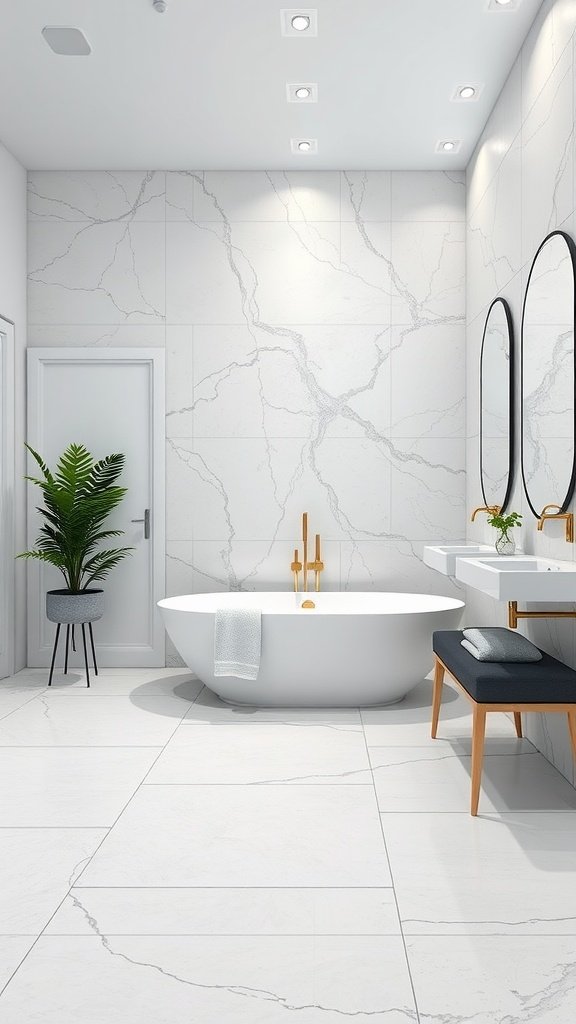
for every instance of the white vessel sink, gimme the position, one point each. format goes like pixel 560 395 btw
pixel 520 578
pixel 443 557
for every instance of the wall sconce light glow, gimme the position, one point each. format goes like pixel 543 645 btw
pixel 467 92
pixel 300 22
pixel 303 93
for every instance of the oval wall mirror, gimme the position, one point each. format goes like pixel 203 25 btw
pixel 548 375
pixel 497 405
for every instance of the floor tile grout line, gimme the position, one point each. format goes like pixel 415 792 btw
pixel 89 861
pixel 211 935
pixel 408 966
pixel 20 706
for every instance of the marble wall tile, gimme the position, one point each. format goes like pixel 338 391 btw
pixel 228 196
pixel 366 196
pixel 96 273
pixel 428 274
pixel 548 157
pixel 432 402
pixel 502 129
pixel 494 235
pixel 428 196
pixel 428 488
pixel 96 335
pixel 96 197
pixel 313 327
pixel 550 34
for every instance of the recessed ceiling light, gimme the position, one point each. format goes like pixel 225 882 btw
pixel 448 146
pixel 66 40
pixel 467 92
pixel 297 21
pixel 302 92
pixel 304 147
pixel 503 5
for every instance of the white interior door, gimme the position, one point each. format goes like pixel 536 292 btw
pixel 6 498
pixel 111 401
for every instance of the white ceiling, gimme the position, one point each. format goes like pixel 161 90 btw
pixel 204 85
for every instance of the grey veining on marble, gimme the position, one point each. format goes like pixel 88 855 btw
pixel 314 332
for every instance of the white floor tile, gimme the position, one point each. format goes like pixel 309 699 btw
pixel 105 721
pixel 408 723
pixel 435 778
pixel 74 786
pixel 245 835
pixel 228 911
pixel 137 683
pixel 37 868
pixel 209 708
pixel 494 979
pixel 13 949
pixel 510 874
pixel 265 752
pixel 214 980
pixel 11 701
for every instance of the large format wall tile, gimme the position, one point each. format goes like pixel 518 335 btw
pixel 313 329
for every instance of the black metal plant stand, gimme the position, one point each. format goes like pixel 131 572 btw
pixel 70 627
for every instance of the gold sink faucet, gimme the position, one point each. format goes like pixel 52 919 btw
pixel 568 518
pixel 305 566
pixel 492 510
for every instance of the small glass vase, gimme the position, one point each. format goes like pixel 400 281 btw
pixel 505 544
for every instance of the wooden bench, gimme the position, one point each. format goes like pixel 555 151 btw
pixel 518 687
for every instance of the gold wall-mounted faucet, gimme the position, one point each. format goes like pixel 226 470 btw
pixel 492 510
pixel 305 566
pixel 568 518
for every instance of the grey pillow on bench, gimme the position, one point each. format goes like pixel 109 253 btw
pixel 494 643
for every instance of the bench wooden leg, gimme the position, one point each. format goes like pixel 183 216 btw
pixel 439 671
pixel 518 724
pixel 478 730
pixel 571 715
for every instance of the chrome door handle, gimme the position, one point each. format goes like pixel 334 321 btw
pixel 146 522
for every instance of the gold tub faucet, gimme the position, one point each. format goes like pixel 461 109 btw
pixel 305 566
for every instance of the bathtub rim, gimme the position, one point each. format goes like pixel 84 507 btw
pixel 438 603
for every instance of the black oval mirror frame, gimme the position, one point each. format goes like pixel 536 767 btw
pixel 571 246
pixel 510 476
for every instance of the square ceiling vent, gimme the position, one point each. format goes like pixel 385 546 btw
pixel 66 41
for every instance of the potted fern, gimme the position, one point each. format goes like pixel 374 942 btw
pixel 78 498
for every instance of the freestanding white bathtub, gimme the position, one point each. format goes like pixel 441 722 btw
pixel 352 649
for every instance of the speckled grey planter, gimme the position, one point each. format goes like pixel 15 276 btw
pixel 62 606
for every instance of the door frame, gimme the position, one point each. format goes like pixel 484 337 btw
pixel 37 360
pixel 7 497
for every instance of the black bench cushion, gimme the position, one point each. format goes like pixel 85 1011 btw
pixel 498 682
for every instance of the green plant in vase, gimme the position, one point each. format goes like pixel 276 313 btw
pixel 505 543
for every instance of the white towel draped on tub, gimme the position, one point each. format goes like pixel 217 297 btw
pixel 237 642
